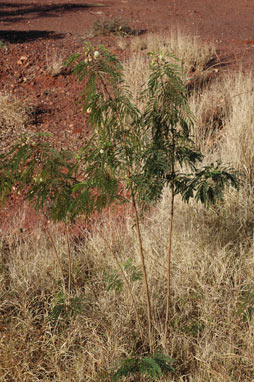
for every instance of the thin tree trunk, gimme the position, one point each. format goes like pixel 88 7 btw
pixel 69 258
pixel 148 299
pixel 57 257
pixel 168 298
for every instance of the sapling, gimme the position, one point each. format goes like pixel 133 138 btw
pixel 171 158
pixel 118 139
pixel 148 150
pixel 131 156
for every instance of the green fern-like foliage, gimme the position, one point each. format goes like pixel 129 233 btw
pixel 118 137
pixel 43 175
pixel 131 154
pixel 50 179
pixel 113 278
pixel 7 179
pixel 170 150
pixel 168 119
pixel 64 307
pixel 206 184
pixel 151 366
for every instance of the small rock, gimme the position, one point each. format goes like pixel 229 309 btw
pixel 21 60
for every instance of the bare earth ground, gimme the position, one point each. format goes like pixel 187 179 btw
pixel 36 31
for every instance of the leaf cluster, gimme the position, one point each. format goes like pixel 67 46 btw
pixel 246 304
pixel 43 175
pixel 7 179
pixel 206 184
pixel 117 142
pixel 64 307
pixel 114 280
pixel 50 179
pixel 151 366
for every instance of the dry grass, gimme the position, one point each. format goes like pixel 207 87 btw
pixel 14 112
pixel 193 53
pixel 211 108
pixel 15 117
pixel 136 74
pixel 54 63
pixel 198 60
pixel 238 134
pixel 114 26
pixel 224 118
pixel 211 325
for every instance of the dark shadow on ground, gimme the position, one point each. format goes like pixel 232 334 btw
pixel 27 11
pixel 12 5
pixel 13 36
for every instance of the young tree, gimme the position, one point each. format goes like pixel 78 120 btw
pixel 131 156
pixel 149 150
pixel 171 158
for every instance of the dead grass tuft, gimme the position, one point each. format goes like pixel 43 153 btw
pixel 116 27
pixel 54 63
pixel 15 117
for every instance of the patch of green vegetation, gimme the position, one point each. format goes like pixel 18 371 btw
pixel 3 45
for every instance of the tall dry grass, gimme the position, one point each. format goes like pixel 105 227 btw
pixel 211 324
pixel 239 133
pixel 198 60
